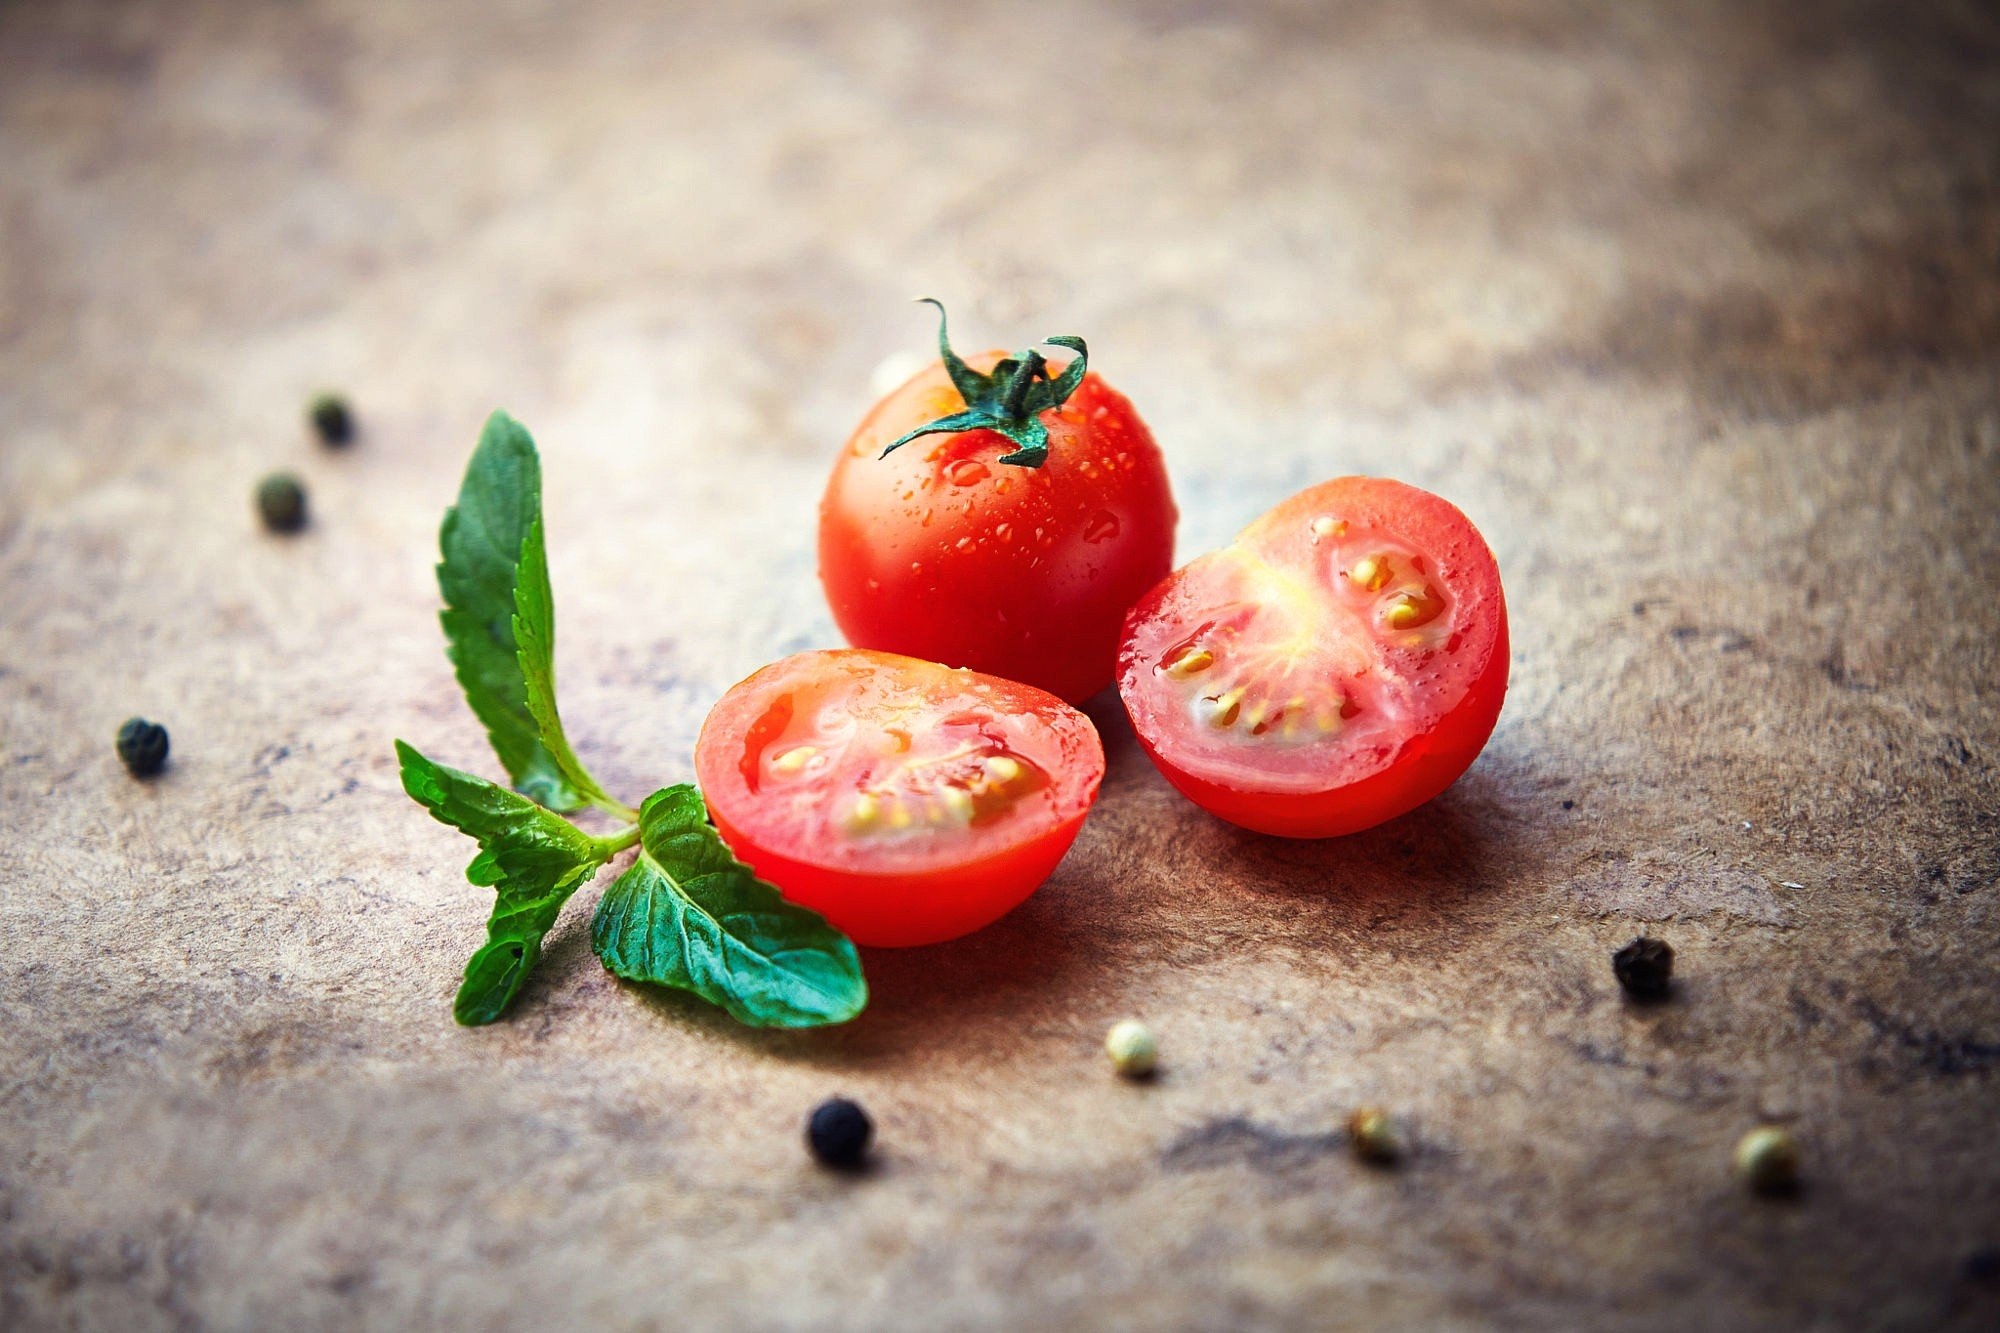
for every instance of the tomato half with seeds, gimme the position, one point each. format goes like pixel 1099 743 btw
pixel 905 801
pixel 1340 664
pixel 1019 511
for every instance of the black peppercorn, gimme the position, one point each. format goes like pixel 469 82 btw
pixel 142 747
pixel 839 1133
pixel 282 502
pixel 330 417
pixel 1644 968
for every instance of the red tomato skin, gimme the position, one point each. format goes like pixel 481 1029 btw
pixel 940 551
pixel 904 911
pixel 1427 762
pixel 884 906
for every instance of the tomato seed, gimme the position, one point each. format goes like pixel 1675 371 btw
pixel 791 761
pixel 1226 708
pixel 1188 660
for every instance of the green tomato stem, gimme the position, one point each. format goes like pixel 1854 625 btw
pixel 1009 400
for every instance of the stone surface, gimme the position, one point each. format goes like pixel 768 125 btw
pixel 1695 309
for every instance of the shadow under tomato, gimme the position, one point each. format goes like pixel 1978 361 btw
pixel 1153 877
pixel 1445 849
pixel 1123 759
pixel 919 999
pixel 1209 891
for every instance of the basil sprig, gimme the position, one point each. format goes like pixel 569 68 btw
pixel 686 914
pixel 689 915
pixel 499 503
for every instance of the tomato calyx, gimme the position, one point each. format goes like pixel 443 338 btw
pixel 1008 401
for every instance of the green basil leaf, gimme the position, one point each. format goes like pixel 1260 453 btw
pixel 535 632
pixel 533 859
pixel 482 541
pixel 688 914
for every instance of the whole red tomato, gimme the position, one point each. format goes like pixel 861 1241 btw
pixel 1000 515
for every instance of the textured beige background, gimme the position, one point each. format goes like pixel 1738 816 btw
pixel 1695 309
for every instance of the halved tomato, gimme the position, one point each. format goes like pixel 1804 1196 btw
pixel 1341 663
pixel 905 801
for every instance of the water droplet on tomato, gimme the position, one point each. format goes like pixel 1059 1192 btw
pixel 1101 527
pixel 1004 533
pixel 966 472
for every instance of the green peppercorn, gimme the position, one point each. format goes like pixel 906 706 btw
pixel 839 1132
pixel 281 499
pixel 1767 1158
pixel 1645 968
pixel 1131 1047
pixel 1376 1136
pixel 330 417
pixel 142 747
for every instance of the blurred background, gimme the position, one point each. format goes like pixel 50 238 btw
pixel 1694 308
pixel 677 241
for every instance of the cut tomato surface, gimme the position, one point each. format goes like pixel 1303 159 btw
pixel 1341 663
pixel 905 801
